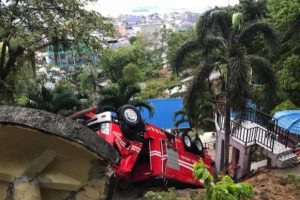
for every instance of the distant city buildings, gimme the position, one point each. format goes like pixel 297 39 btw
pixel 146 29
pixel 127 26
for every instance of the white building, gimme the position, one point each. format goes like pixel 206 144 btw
pixel 146 28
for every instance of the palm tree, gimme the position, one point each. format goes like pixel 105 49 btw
pixel 60 100
pixel 224 42
pixel 201 118
pixel 180 116
pixel 123 92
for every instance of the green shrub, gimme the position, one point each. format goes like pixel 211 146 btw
pixel 293 180
pixel 286 105
pixel 167 195
pixel 225 189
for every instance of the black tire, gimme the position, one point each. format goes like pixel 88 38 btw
pixel 187 142
pixel 198 147
pixel 132 129
pixel 130 115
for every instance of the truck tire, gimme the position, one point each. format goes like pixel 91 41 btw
pixel 198 147
pixel 130 115
pixel 131 122
pixel 187 142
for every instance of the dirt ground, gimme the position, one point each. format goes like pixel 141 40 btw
pixel 270 185
pixel 267 184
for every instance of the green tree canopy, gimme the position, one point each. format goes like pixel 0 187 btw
pixel 113 61
pixel 61 100
pixel 123 92
pixel 285 15
pixel 176 39
pixel 289 78
pixel 29 26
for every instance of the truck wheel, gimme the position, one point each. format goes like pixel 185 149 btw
pixel 187 142
pixel 131 123
pixel 197 146
pixel 130 115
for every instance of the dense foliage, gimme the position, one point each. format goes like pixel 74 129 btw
pixel 123 92
pixel 289 76
pixel 60 100
pixel 146 60
pixel 27 27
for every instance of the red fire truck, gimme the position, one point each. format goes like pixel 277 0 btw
pixel 146 151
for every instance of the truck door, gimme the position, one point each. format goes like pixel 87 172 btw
pixel 172 158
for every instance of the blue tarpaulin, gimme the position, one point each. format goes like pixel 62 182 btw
pixel 164 113
pixel 289 119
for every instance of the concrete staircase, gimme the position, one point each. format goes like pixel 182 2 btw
pixel 287 159
pixel 281 156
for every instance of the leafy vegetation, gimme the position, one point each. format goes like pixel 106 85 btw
pixel 155 88
pixel 176 39
pixel 203 118
pixel 168 195
pixel 123 92
pixel 60 100
pixel 286 105
pixel 225 189
pixel 113 61
pixel 289 77
pixel 29 26
pixel 285 16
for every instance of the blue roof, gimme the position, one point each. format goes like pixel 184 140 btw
pixel 164 113
pixel 289 119
pixel 133 20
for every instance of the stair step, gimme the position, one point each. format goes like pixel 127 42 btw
pixel 287 157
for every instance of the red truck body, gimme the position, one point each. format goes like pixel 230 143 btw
pixel 160 154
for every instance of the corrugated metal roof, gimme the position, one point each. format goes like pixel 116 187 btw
pixel 289 119
pixel 164 112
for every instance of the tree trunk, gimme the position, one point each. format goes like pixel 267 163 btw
pixel 227 136
pixel 2 57
pixel 13 55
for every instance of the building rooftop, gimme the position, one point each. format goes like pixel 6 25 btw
pixel 164 113
pixel 289 119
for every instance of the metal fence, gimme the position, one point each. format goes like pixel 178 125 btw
pixel 265 134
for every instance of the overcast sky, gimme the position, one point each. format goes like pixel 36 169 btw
pixel 116 7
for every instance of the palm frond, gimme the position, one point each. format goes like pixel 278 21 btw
pixel 185 49
pixel 216 21
pixel 130 91
pixel 206 105
pixel 112 90
pixel 252 30
pixel 208 120
pixel 197 87
pixel 212 42
pixel 180 121
pixel 263 70
pixel 238 83
pixel 178 113
pixel 138 102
